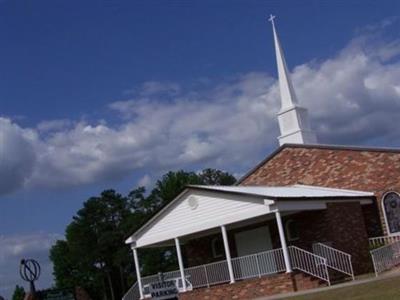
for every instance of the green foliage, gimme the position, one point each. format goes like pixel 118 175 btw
pixel 63 267
pixel 19 293
pixel 216 177
pixel 94 256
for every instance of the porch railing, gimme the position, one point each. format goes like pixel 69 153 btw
pixel 133 293
pixel 383 240
pixel 209 274
pixel 249 266
pixel 256 265
pixel 386 257
pixel 309 263
pixel 244 267
pixel 335 259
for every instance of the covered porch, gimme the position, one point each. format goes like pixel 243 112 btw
pixel 230 234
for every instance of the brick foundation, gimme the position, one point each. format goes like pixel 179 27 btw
pixel 253 288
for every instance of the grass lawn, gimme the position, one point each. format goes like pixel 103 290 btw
pixel 385 289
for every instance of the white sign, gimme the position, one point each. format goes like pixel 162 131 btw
pixel 163 290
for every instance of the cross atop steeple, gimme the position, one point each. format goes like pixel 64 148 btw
pixel 293 119
pixel 271 19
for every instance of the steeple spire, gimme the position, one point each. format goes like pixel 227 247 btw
pixel 293 119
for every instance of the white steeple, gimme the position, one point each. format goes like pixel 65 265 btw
pixel 293 119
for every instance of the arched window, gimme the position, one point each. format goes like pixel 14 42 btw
pixel 291 230
pixel 217 247
pixel 391 206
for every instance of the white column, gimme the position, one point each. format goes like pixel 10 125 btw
pixel 180 262
pixel 227 253
pixel 283 242
pixel 137 267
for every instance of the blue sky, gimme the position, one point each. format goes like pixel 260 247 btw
pixel 100 94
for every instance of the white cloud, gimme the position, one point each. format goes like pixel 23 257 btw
pixel 54 125
pixel 353 98
pixel 17 155
pixel 18 246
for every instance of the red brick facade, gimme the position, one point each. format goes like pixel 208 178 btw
pixel 374 170
pixel 253 288
pixel 345 226
pixel 347 232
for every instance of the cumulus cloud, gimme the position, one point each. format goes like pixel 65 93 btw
pixel 54 125
pixel 15 247
pixel 17 155
pixel 353 98
pixel 159 134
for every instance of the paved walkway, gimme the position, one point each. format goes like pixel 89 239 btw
pixel 370 278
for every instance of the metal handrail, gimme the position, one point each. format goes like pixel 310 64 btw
pixel 386 257
pixel 335 258
pixel 309 263
pixel 132 293
pixel 380 241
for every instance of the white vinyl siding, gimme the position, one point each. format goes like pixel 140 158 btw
pixel 212 210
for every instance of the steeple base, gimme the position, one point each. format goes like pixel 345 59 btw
pixel 294 126
pixel 298 137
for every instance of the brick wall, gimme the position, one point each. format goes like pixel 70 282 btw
pixel 366 170
pixel 347 232
pixel 252 288
pixel 311 226
pixel 199 252
pixel 372 220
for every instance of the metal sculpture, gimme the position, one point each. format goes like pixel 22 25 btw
pixel 29 270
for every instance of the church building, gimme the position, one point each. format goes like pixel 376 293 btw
pixel 308 215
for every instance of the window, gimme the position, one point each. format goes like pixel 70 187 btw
pixel 291 230
pixel 217 247
pixel 391 207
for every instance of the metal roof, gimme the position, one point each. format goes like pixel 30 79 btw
pixel 292 191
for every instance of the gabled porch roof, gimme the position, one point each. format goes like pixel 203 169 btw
pixel 200 208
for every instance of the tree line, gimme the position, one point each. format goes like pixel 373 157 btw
pixel 93 254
